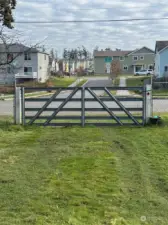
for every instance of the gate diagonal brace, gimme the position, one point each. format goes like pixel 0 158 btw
pixel 122 107
pixel 60 107
pixel 45 106
pixel 105 107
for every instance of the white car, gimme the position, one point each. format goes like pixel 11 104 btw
pixel 144 72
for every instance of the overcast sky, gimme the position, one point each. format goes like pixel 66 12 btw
pixel 124 35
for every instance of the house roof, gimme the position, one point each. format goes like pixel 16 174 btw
pixel 18 48
pixel 110 53
pixel 143 50
pixel 161 45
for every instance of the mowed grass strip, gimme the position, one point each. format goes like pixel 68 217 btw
pixel 81 83
pixel 136 81
pixel 82 176
pixel 63 81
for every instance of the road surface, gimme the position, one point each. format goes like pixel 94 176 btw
pixel 6 107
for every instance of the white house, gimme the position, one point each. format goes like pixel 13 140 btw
pixel 26 64
pixel 53 64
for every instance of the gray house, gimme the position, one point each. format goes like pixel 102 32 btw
pixel 24 63
pixel 130 61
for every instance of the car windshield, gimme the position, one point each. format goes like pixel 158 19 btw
pixel 142 70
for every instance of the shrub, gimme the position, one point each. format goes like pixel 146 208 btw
pixel 6 90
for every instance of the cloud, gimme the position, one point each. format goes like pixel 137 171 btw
pixel 125 35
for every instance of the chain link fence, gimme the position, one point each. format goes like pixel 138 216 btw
pixel 160 95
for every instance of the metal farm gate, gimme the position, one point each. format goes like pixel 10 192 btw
pixel 83 106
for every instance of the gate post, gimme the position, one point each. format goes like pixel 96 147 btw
pixel 83 106
pixel 148 103
pixel 18 106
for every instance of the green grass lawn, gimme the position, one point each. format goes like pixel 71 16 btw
pixel 83 176
pixel 160 92
pixel 82 82
pixel 136 81
pixel 63 81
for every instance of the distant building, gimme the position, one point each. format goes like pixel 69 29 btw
pixel 28 64
pixel 161 58
pixel 130 61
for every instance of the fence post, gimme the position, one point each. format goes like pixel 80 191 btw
pixel 14 106
pixel 148 103
pixel 18 106
pixel 83 106
pixel 23 105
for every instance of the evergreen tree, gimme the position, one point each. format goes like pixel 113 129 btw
pixel 6 8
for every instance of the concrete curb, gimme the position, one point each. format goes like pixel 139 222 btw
pixel 85 83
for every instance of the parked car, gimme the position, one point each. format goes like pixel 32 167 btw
pixel 91 72
pixel 144 72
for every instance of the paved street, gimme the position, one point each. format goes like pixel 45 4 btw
pixel 99 82
pixel 6 107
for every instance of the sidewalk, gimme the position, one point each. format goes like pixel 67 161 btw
pixel 122 84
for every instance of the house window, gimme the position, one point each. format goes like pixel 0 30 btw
pixel 28 70
pixel 141 57
pixel 27 56
pixel 165 68
pixel 45 56
pixel 122 58
pixel 135 58
pixel 151 67
pixel 125 67
pixel 9 57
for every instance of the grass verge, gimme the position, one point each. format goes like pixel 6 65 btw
pixel 82 176
pixel 56 82
pixel 81 83
pixel 63 81
pixel 135 81
pixel 160 92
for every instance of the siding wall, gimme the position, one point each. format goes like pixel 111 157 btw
pixel 99 63
pixel 43 67
pixel 163 61
pixel 19 64
pixel 157 64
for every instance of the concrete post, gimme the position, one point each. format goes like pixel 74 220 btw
pixel 18 106
pixel 148 103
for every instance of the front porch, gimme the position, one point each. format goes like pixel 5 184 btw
pixel 138 67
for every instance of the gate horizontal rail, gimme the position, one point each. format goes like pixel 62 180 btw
pixel 123 99
pixel 86 117
pixel 86 88
pixel 79 109
pixel 108 111
pixel 86 124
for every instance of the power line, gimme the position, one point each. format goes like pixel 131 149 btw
pixel 94 21
pixel 106 8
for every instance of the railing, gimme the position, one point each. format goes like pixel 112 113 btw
pixel 27 75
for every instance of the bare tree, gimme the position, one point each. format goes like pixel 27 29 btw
pixel 52 54
pixel 115 69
